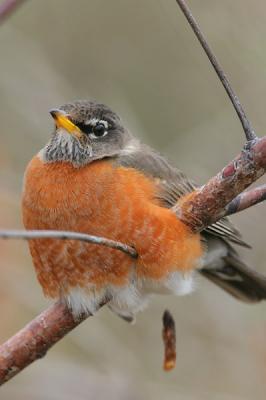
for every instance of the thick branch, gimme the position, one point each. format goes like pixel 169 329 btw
pixel 206 206
pixel 33 341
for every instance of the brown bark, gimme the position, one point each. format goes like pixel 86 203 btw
pixel 33 341
pixel 246 199
pixel 204 207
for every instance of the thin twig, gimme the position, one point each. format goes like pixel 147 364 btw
pixel 8 7
pixel 245 200
pixel 66 235
pixel 249 132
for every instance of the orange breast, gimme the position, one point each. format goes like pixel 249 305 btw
pixel 101 199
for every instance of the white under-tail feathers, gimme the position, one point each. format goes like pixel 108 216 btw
pixel 127 300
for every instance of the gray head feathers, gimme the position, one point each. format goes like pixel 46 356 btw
pixel 102 135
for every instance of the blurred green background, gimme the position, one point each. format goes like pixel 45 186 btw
pixel 141 58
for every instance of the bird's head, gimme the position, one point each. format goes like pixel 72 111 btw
pixel 85 131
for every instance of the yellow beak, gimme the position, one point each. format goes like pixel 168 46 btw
pixel 62 121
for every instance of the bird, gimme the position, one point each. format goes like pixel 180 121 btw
pixel 94 176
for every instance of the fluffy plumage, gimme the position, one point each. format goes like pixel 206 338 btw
pixel 103 181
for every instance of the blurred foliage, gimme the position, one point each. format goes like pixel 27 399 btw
pixel 141 58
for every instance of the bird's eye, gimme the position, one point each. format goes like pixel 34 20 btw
pixel 99 129
pixel 94 128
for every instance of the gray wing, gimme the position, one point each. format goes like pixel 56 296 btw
pixel 222 265
pixel 173 184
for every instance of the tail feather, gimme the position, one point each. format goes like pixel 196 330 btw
pixel 235 277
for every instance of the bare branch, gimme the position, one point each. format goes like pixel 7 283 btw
pixel 33 341
pixel 207 205
pixel 66 235
pixel 249 132
pixel 246 199
pixel 8 7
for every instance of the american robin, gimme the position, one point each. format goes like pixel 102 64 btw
pixel 95 177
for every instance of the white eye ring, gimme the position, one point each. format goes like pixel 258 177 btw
pixel 93 136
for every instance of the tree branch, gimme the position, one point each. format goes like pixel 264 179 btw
pixel 66 235
pixel 249 132
pixel 246 199
pixel 208 204
pixel 33 341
